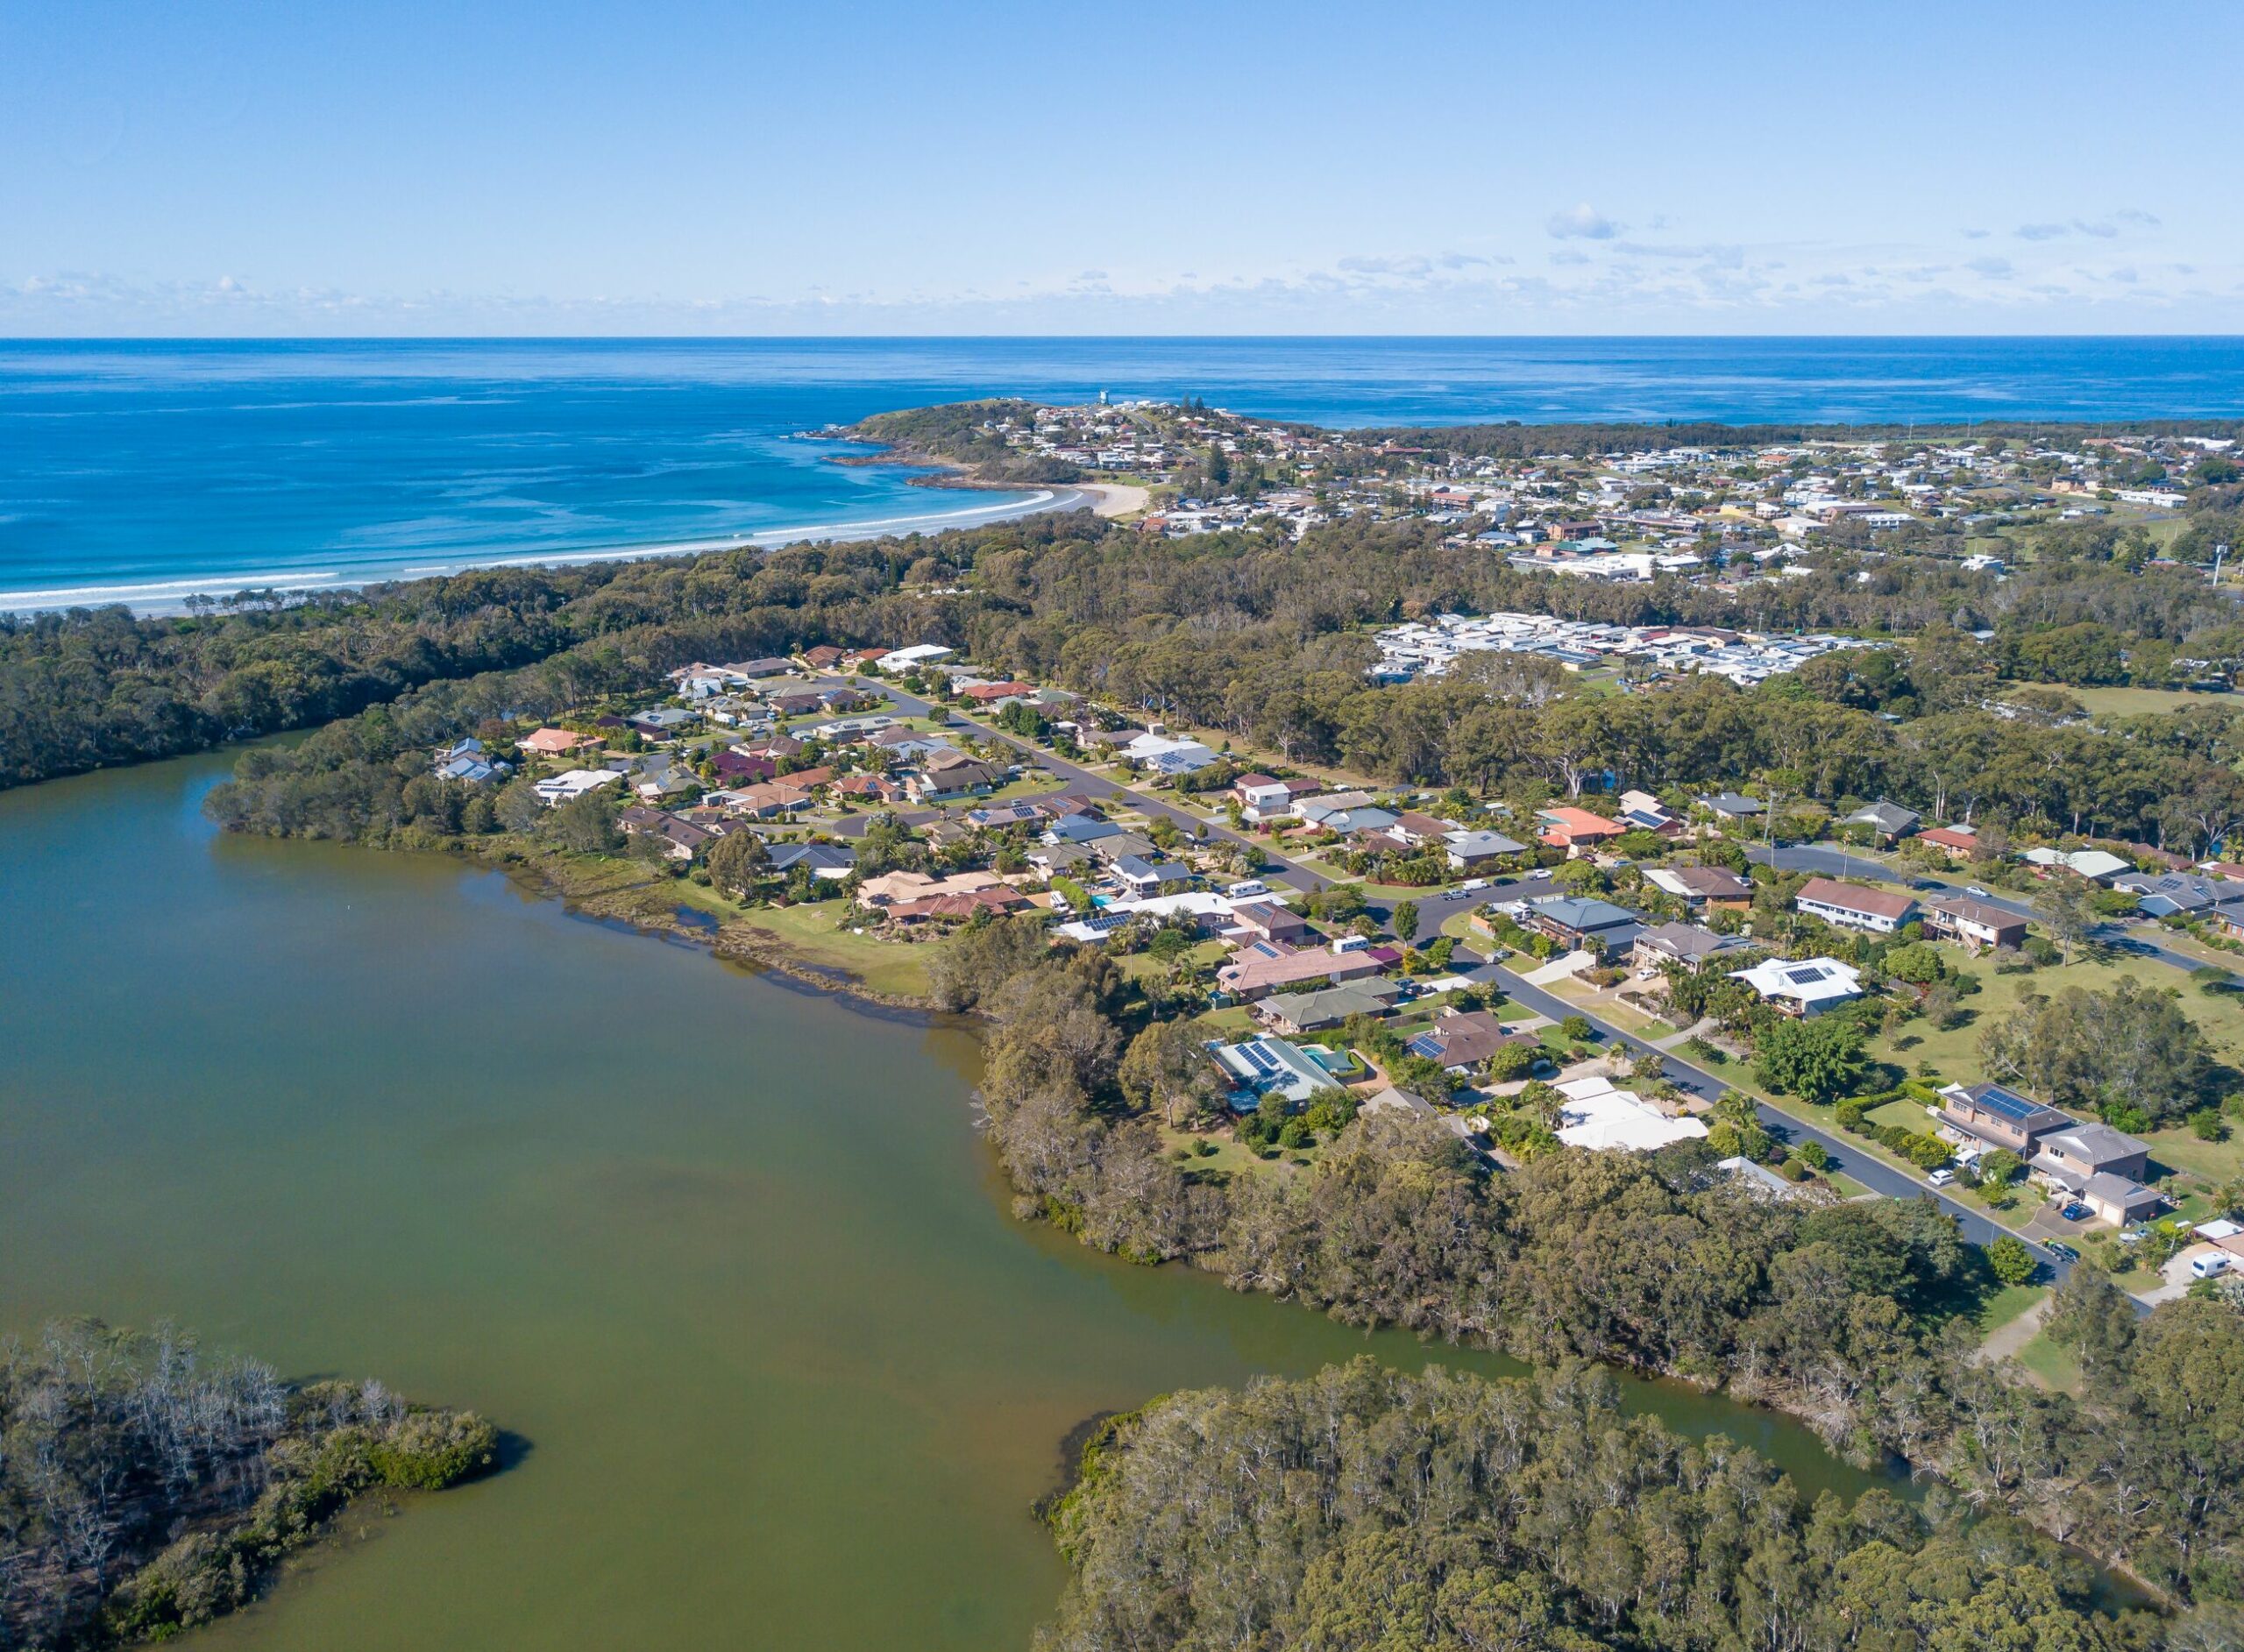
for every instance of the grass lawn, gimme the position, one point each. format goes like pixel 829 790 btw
pixel 2139 702
pixel 2005 1305
pixel 2053 1365
pixel 814 933
pixel 1227 1022
pixel 1907 1114
pixel 1230 1155
pixel 2215 1160
pixel 1954 1052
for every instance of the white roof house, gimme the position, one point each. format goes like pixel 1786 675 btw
pixel 1597 1116
pixel 1810 985
pixel 2093 864
pixel 918 653
pixel 566 788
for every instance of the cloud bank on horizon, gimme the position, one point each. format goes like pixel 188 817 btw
pixel 1011 168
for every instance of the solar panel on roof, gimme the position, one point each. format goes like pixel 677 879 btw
pixel 2008 1105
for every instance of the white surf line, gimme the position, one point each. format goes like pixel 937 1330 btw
pixel 168 593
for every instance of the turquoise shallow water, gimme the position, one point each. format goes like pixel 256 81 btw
pixel 139 470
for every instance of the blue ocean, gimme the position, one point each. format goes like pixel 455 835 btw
pixel 142 471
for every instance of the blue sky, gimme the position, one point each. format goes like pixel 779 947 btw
pixel 494 167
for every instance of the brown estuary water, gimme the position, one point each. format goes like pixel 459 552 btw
pixel 729 1258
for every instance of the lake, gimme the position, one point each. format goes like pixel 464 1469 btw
pixel 729 1258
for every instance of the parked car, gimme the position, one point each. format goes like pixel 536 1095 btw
pixel 2059 1247
pixel 1975 890
pixel 2075 1213
pixel 1942 1178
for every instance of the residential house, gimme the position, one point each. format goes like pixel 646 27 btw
pixel 1005 814
pixel 917 655
pixel 663 722
pixel 1161 755
pixel 1975 923
pixel 1593 1113
pixel 1118 846
pixel 828 861
pixel 1296 1012
pixel 991 693
pixel 1057 858
pixel 1995 1116
pixel 1855 906
pixel 1582 923
pixel 1141 876
pixel 955 908
pixel 1732 806
pixel 1471 851
pixel 1265 967
pixel 1957 843
pixel 764 801
pixel 2080 1149
pixel 1576 831
pixel 952 775
pixel 554 742
pixel 1886 820
pixel 1461 1043
pixel 568 787
pixel 1803 986
pixel 2096 1165
pixel 824 657
pixel 2097 866
pixel 1261 796
pixel 1681 944
pixel 891 887
pixel 870 789
pixel 2173 894
pixel 1641 811
pixel 1271 1066
pixel 1269 920
pixel 1080 829
pixel 736 767
pixel 1714 887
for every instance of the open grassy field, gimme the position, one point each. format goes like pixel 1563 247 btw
pixel 1954 1052
pixel 814 935
pixel 2005 1305
pixel 2053 1366
pixel 2140 702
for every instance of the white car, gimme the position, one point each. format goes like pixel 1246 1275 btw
pixel 1941 1177
pixel 1974 890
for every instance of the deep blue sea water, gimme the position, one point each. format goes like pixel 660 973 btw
pixel 143 471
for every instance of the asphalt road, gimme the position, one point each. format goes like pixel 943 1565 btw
pixel 1074 777
pixel 1435 908
pixel 1847 1157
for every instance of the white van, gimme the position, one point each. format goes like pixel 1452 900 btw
pixel 2205 1268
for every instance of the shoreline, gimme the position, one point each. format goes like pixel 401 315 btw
pixel 156 598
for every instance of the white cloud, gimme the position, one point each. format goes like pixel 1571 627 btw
pixel 1583 222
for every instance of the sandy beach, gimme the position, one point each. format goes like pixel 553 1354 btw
pixel 1117 499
